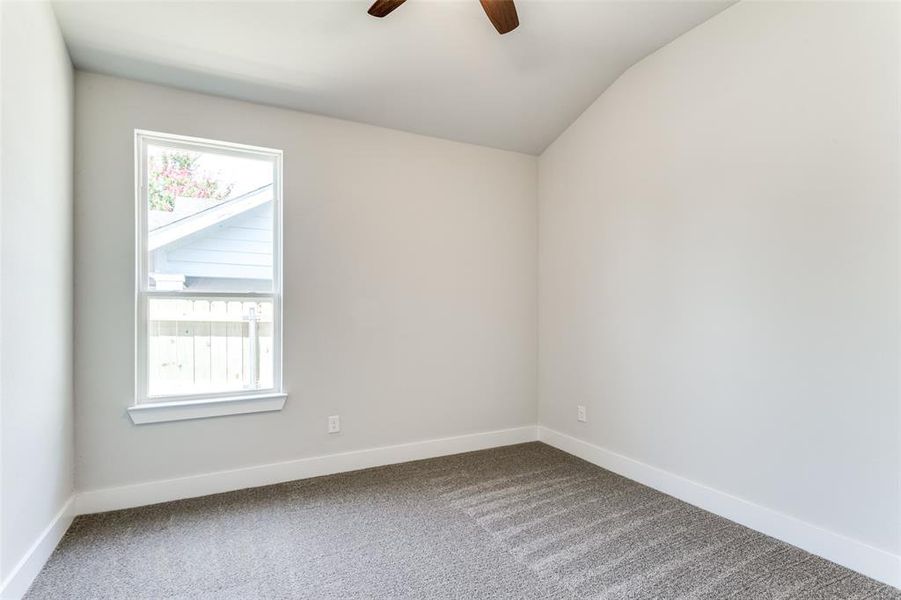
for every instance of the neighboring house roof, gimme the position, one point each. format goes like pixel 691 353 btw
pixel 198 220
pixel 227 241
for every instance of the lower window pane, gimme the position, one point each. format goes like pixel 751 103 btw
pixel 202 345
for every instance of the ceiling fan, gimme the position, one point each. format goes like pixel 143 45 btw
pixel 501 13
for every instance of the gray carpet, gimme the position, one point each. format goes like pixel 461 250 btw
pixel 523 521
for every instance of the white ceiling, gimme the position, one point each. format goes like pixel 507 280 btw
pixel 431 67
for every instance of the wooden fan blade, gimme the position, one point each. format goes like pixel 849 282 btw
pixel 382 8
pixel 502 14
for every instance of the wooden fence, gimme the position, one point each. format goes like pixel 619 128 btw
pixel 209 345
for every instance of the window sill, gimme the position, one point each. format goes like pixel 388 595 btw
pixel 159 412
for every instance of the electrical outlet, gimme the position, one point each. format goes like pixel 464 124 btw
pixel 334 424
pixel 581 415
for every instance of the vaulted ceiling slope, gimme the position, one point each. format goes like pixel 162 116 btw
pixel 432 67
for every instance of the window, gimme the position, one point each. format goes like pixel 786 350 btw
pixel 208 278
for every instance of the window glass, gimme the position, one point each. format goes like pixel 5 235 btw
pixel 208 346
pixel 209 221
pixel 208 255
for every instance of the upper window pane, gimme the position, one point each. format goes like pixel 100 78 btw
pixel 209 219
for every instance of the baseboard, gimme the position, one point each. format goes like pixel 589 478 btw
pixel 872 562
pixel 19 580
pixel 153 492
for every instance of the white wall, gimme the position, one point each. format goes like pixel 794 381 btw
pixel 36 431
pixel 719 264
pixel 410 287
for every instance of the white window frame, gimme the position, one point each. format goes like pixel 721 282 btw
pixel 148 409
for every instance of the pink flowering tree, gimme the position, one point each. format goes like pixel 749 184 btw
pixel 175 174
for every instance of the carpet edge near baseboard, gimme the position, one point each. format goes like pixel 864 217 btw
pixel 858 556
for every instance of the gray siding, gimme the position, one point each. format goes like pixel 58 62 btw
pixel 240 248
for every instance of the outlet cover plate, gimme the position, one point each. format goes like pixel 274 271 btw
pixel 334 424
